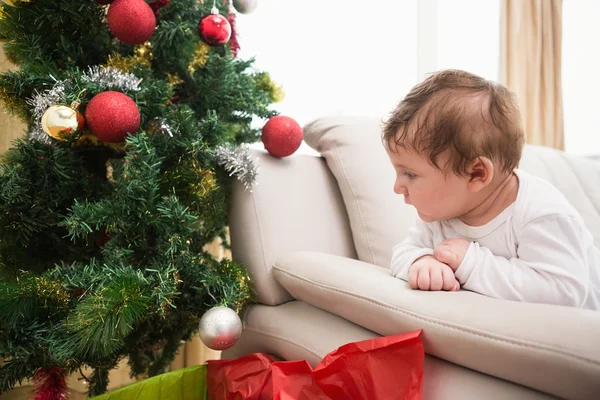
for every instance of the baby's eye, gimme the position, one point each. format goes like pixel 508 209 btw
pixel 410 175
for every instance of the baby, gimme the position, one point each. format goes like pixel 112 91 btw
pixel 455 142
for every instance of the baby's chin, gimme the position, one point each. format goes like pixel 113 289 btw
pixel 427 218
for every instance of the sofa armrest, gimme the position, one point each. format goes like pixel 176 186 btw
pixel 277 217
pixel 553 349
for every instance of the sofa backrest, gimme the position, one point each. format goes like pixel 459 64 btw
pixel 295 205
pixel 380 219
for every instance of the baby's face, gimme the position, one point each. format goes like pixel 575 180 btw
pixel 435 196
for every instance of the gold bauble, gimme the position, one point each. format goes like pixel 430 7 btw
pixel 61 120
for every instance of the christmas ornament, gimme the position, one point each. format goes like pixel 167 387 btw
pixel 110 116
pixel 112 78
pixel 158 125
pixel 200 57
pixel 131 21
pixel 238 162
pixel 40 104
pixel 18 3
pixel 245 6
pixel 61 120
pixel 281 136
pixel 156 5
pixel 214 29
pixel 220 328
pixel 234 43
pixel 264 82
pixel 50 384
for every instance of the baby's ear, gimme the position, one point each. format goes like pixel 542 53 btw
pixel 480 172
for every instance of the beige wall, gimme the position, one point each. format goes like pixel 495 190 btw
pixel 10 126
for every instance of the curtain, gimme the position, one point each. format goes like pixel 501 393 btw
pixel 531 58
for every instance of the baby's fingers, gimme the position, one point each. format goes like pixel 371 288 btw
pixel 450 282
pixel 413 274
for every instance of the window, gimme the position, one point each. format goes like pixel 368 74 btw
pixel 334 57
pixel 351 57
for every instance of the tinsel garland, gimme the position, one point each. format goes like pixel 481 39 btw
pixel 50 384
pixel 238 162
pixel 112 78
pixel 40 103
pixel 234 43
pixel 106 77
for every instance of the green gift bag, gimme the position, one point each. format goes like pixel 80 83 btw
pixel 183 384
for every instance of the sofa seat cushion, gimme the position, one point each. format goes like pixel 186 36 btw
pixel 298 331
pixel 549 348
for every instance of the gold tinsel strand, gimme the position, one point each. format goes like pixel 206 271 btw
pixel 264 82
pixel 88 140
pixel 174 79
pixel 244 287
pixel 43 288
pixel 142 56
pixel 18 3
pixel 206 184
pixel 200 57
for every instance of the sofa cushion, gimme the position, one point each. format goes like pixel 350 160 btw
pixel 354 152
pixel 380 219
pixel 550 348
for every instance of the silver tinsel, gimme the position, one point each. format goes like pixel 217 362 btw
pixel 112 78
pixel 40 103
pixel 237 161
pixel 163 127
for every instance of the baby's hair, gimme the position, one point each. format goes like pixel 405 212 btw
pixel 461 114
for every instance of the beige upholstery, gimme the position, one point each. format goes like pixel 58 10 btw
pixel 283 202
pixel 354 152
pixel 537 337
pixel 297 230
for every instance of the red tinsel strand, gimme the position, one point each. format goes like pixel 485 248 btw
pixel 50 384
pixel 233 42
pixel 156 5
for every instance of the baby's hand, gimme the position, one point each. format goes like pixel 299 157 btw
pixel 451 252
pixel 427 273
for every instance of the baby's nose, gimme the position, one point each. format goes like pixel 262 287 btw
pixel 399 189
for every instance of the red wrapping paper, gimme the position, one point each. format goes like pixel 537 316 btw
pixel 389 367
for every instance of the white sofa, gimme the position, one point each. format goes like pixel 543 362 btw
pixel 316 234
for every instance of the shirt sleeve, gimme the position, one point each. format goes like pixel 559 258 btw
pixel 551 265
pixel 418 243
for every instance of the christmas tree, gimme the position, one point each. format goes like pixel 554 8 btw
pixel 137 115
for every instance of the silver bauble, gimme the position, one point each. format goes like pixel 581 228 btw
pixel 220 328
pixel 245 6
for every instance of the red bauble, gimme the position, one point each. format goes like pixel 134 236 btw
pixel 131 21
pixel 214 29
pixel 282 136
pixel 111 115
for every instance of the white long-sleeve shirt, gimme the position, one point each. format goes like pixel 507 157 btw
pixel 537 250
